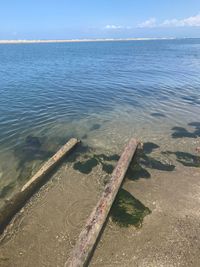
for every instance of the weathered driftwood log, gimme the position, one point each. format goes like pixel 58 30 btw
pixel 13 205
pixel 88 237
pixel 51 163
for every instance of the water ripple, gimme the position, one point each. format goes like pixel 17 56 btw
pixel 61 90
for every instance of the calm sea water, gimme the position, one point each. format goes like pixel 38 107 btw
pixel 100 92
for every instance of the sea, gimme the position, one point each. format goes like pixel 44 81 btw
pixel 102 93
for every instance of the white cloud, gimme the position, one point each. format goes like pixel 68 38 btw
pixel 150 23
pixel 193 21
pixel 117 27
pixel 113 27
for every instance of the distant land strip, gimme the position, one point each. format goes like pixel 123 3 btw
pixel 79 40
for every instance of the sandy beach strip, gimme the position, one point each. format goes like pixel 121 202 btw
pixel 79 40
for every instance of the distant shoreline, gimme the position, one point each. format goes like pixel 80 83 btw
pixel 80 40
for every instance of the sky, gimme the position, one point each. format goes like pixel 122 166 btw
pixel 78 19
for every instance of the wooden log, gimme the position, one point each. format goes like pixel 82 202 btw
pixel 89 235
pixel 13 205
pixel 49 165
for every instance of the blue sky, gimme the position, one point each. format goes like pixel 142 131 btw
pixel 68 19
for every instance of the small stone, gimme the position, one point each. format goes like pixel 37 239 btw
pixel 22 210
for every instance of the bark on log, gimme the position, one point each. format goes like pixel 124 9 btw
pixel 13 205
pixel 89 235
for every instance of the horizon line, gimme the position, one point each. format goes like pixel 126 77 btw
pixel 18 41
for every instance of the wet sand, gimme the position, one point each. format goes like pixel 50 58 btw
pixel 170 235
pixel 44 233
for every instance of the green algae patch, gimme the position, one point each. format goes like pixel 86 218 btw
pixel 186 159
pixel 90 161
pixel 136 171
pixel 85 166
pixel 180 132
pixel 149 147
pixel 152 163
pixel 108 168
pixel 142 162
pixel 127 210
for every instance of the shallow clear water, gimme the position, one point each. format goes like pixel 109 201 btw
pixel 100 92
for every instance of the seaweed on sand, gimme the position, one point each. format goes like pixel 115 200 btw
pixel 149 147
pixel 180 132
pixel 187 159
pixel 142 160
pixel 152 163
pixel 86 166
pixel 91 161
pixel 136 171
pixel 127 210
pixel 196 125
pixel 158 114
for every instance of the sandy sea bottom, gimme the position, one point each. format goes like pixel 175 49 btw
pixel 164 182
pixel 104 133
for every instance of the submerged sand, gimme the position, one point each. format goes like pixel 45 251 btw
pixel 45 231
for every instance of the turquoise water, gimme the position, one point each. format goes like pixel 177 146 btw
pixel 100 92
